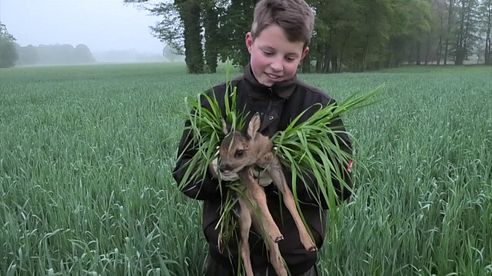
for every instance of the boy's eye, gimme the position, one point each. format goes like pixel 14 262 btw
pixel 290 58
pixel 267 53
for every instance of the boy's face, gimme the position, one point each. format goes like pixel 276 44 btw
pixel 273 57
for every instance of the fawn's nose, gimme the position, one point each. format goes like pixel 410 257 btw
pixel 224 168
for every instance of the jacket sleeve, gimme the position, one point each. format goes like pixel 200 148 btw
pixel 305 189
pixel 205 188
pixel 202 189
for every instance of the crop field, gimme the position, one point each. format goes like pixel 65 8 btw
pixel 86 154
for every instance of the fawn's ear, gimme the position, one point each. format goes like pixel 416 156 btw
pixel 254 125
pixel 224 127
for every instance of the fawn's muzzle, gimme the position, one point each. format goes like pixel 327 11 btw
pixel 223 168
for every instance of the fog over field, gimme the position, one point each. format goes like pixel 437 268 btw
pixel 112 30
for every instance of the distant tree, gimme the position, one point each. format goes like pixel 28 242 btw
pixel 467 27
pixel 417 29
pixel 82 54
pixel 170 29
pixel 335 26
pixel 373 33
pixel 170 54
pixel 234 24
pixel 204 30
pixel 8 53
pixel 433 41
pixel 211 29
pixel 449 30
pixel 190 13
pixel 54 54
pixel 486 26
pixel 27 55
pixel 181 29
pixel 439 26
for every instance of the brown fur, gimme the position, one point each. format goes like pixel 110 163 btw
pixel 239 153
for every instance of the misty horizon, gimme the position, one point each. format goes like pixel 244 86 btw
pixel 66 54
pixel 104 27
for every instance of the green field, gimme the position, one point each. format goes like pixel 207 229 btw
pixel 86 154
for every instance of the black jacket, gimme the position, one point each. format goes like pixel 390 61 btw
pixel 278 106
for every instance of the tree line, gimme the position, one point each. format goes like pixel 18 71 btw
pixel 12 54
pixel 349 35
pixel 54 54
pixel 8 54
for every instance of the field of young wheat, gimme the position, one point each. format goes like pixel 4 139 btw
pixel 86 154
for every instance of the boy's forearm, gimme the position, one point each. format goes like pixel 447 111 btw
pixel 202 189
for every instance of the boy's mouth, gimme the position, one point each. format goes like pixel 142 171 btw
pixel 272 77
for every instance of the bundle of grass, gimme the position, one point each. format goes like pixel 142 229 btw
pixel 301 148
pixel 298 147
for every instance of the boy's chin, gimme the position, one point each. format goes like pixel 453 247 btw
pixel 267 82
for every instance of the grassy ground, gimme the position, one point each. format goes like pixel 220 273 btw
pixel 86 154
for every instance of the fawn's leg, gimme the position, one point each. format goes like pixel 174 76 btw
pixel 278 178
pixel 245 226
pixel 258 195
pixel 276 258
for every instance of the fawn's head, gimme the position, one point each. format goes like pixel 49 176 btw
pixel 239 150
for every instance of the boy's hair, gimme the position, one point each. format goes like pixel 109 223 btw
pixel 295 17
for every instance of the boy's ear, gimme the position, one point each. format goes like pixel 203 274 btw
pixel 249 41
pixel 305 52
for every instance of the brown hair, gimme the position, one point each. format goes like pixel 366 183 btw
pixel 295 17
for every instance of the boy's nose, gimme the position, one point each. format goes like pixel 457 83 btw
pixel 277 65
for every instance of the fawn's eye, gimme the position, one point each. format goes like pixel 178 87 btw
pixel 239 153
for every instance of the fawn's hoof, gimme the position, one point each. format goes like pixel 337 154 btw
pixel 313 249
pixel 279 238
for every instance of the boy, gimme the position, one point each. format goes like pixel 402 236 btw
pixel 277 43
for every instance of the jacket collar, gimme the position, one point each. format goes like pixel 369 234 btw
pixel 281 90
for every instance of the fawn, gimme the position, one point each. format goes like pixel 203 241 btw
pixel 239 153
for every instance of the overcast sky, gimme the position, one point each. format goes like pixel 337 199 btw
pixel 100 24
